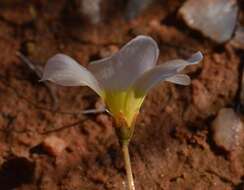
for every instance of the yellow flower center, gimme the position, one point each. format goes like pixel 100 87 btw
pixel 124 104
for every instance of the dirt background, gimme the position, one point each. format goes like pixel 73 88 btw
pixel 173 147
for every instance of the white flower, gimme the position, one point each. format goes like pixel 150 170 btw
pixel 123 79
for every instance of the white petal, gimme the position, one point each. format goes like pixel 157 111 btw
pixel 152 77
pixel 120 70
pixel 195 58
pixel 180 64
pixel 181 79
pixel 167 71
pixel 63 70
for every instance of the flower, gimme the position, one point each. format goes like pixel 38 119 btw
pixel 123 79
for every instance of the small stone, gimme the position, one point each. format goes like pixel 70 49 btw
pixel 227 129
pixel 54 145
pixel 92 10
pixel 135 7
pixel 215 19
pixel 201 96
pixel 155 24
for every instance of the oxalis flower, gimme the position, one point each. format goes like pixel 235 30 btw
pixel 122 81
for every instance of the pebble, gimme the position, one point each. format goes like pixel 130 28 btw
pixel 54 145
pixel 215 19
pixel 92 10
pixel 135 7
pixel 227 129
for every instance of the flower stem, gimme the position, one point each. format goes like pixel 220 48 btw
pixel 130 180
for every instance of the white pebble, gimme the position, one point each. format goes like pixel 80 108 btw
pixel 228 129
pixel 216 19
